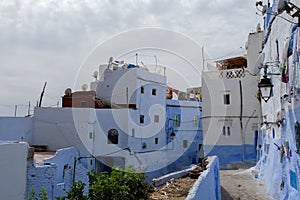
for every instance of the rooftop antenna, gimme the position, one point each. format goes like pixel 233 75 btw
pixel 155 69
pixel 42 95
pixel 144 65
pixel 155 62
pixel 136 59
pixel 28 112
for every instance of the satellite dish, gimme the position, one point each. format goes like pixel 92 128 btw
pixel 84 87
pixel 259 63
pixel 68 92
pixel 95 74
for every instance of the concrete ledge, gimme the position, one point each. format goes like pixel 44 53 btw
pixel 163 179
pixel 208 184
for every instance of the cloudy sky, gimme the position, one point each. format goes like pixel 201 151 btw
pixel 48 40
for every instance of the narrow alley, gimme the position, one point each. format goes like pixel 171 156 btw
pixel 240 185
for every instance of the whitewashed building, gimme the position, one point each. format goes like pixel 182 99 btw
pixel 279 164
pixel 231 109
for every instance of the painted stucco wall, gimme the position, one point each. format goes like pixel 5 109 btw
pixel 16 129
pixel 241 118
pixel 279 167
pixel 82 132
pixel 55 174
pixel 123 86
pixel 13 164
pixel 208 184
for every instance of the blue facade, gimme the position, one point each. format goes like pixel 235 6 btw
pixel 56 174
pixel 232 153
pixel 282 175
pixel 208 184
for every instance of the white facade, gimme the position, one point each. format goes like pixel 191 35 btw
pixel 144 129
pixel 279 163
pixel 231 110
pixel 124 87
pixel 13 171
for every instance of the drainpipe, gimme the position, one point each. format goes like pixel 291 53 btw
pixel 75 163
pixel 241 119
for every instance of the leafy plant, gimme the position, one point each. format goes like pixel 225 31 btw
pixel 120 184
pixel 32 195
pixel 76 193
pixel 41 196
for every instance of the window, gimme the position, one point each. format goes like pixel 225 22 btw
pixel 185 143
pixel 83 104
pixel 176 120
pixel 91 135
pixel 196 121
pixel 156 118
pixel 142 119
pixel 142 90
pixel 228 130
pixel 113 136
pixel 154 92
pixel 226 99
pixel 132 132
pixel 156 140
pixel 144 145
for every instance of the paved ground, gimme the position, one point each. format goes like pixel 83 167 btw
pixel 239 185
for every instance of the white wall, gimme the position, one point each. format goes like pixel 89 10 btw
pixel 116 83
pixel 275 172
pixel 82 128
pixel 55 128
pixel 13 168
pixel 216 115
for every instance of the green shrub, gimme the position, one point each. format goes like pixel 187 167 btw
pixel 125 184
pixel 41 196
pixel 120 184
pixel 76 193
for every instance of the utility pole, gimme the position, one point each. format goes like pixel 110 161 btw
pixel 28 109
pixel 16 107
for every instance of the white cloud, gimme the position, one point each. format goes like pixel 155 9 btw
pixel 48 40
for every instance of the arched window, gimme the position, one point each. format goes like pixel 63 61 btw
pixel 113 136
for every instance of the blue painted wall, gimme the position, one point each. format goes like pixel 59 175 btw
pixel 56 173
pixel 208 184
pixel 16 129
pixel 232 153
pixel 282 179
